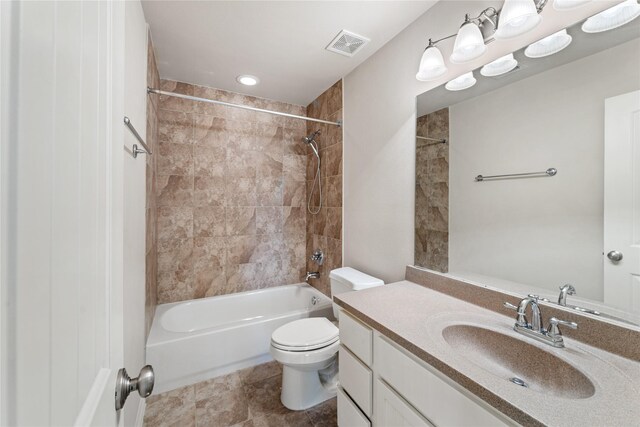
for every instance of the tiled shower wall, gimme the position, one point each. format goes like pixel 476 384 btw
pixel 432 192
pixel 151 265
pixel 231 195
pixel 324 230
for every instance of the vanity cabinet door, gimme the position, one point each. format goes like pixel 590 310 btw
pixel 392 410
pixel 357 337
pixel 356 379
pixel 425 389
pixel 349 415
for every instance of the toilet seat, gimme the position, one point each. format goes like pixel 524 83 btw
pixel 305 335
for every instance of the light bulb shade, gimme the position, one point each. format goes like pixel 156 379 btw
pixel 548 45
pixel 431 65
pixel 463 82
pixel 517 17
pixel 613 17
pixel 499 66
pixel 568 4
pixel 469 44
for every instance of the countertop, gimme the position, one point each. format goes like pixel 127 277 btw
pixel 413 316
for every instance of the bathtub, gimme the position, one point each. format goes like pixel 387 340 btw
pixel 191 341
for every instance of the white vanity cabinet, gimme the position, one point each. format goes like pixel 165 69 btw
pixel 355 392
pixel 383 385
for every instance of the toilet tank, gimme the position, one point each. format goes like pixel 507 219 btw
pixel 347 279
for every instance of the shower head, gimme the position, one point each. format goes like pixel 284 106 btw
pixel 311 138
pixel 312 142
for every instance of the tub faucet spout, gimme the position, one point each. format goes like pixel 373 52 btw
pixel 312 275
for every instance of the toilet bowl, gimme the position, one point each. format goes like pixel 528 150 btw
pixel 308 348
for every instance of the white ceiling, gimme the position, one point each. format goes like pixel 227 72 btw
pixel 281 42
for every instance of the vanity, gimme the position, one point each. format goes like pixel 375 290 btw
pixel 412 355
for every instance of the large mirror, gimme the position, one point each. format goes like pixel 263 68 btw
pixel 565 129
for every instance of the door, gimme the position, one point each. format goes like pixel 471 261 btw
pixel 62 160
pixel 622 202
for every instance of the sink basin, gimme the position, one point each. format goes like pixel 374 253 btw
pixel 517 361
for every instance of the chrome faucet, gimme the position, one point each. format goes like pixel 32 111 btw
pixel 535 330
pixel 312 275
pixel 570 290
pixel 564 291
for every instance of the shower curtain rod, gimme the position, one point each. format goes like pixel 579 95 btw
pixel 244 107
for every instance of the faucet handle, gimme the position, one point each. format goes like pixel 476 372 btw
pixel 511 306
pixel 553 329
pixel 538 298
pixel 521 319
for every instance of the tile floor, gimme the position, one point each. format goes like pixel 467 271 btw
pixel 247 398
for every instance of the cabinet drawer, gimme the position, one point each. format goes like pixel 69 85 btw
pixel 392 410
pixel 431 395
pixel 348 413
pixel 357 337
pixel 356 380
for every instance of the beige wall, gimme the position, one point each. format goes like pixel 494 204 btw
pixel 324 230
pixel 134 203
pixel 379 129
pixel 231 195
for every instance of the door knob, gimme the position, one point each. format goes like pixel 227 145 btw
pixel 125 385
pixel 615 256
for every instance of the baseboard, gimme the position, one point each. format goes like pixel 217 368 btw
pixel 140 414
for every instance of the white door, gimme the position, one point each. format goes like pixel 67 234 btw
pixel 62 155
pixel 622 202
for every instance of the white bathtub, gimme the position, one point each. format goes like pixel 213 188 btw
pixel 191 341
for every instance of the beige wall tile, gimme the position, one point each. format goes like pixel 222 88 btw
pixel 231 195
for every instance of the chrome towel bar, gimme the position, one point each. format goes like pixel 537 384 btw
pixel 437 140
pixel 548 172
pixel 135 151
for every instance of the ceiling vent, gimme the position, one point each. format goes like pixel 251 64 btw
pixel 347 43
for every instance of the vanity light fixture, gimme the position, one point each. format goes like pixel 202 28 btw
pixel 548 45
pixel 469 43
pixel 515 18
pixel 568 4
pixel 248 80
pixel 431 64
pixel 500 66
pixel 614 17
pixel 463 82
pixel 518 17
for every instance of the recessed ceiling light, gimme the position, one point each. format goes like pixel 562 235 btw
pixel 248 80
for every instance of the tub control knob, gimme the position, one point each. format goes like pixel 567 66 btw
pixel 125 385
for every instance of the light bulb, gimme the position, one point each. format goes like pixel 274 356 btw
pixel 500 66
pixel 548 45
pixel 431 64
pixel 469 44
pixel 613 17
pixel 517 17
pixel 463 82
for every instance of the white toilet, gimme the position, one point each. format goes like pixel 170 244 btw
pixel 308 348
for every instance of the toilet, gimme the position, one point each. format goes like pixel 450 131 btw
pixel 308 348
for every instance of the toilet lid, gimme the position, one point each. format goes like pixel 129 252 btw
pixel 305 334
